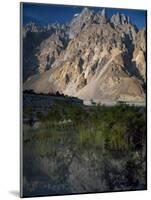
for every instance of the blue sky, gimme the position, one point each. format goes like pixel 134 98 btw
pixel 44 14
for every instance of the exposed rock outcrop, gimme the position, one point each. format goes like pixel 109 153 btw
pixel 41 46
pixel 139 54
pixel 120 19
pixel 93 58
pixel 50 49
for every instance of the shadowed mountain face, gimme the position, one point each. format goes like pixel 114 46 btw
pixel 93 57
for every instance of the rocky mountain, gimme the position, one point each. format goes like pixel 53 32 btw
pixel 41 45
pixel 139 54
pixel 92 58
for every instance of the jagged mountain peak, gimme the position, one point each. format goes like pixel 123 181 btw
pixel 84 15
pixel 86 11
pixel 120 19
pixel 92 53
pixel 32 27
pixel 102 12
pixel 85 19
pixel 100 17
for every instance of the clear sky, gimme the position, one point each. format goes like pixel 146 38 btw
pixel 44 14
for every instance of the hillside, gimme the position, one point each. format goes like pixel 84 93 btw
pixel 92 58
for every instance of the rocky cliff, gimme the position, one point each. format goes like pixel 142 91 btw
pixel 92 58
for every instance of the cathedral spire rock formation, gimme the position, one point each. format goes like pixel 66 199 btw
pixel 93 57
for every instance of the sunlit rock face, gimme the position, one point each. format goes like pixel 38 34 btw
pixel 93 57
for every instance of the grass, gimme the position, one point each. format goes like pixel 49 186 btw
pixel 117 128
